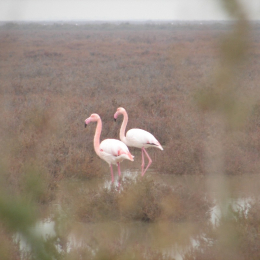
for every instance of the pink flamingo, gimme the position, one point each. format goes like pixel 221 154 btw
pixel 110 150
pixel 137 138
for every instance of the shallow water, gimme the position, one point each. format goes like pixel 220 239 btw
pixel 175 238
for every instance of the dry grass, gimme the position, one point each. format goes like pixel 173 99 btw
pixel 54 77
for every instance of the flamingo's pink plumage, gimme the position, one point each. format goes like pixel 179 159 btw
pixel 110 150
pixel 137 138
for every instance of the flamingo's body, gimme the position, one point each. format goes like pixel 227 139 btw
pixel 110 150
pixel 137 138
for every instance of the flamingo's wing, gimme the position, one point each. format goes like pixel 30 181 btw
pixel 115 149
pixel 140 138
pixel 112 146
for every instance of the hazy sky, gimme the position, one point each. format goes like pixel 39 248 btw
pixel 22 10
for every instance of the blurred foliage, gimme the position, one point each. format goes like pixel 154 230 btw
pixel 19 212
pixel 25 189
pixel 224 91
pixel 227 103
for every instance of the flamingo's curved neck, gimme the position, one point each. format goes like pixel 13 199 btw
pixel 123 127
pixel 97 136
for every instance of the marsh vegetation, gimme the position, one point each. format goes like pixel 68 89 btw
pixel 183 83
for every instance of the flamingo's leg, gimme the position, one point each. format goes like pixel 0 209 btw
pixel 149 162
pixel 119 174
pixel 112 175
pixel 119 171
pixel 142 165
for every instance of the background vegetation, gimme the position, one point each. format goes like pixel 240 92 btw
pixel 193 85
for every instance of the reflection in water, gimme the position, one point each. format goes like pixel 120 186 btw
pixel 44 229
pixel 131 174
pixel 237 204
pixel 131 234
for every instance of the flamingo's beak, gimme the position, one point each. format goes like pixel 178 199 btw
pixel 85 125
pixel 115 116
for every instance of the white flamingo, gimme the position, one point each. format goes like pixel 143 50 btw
pixel 137 138
pixel 110 150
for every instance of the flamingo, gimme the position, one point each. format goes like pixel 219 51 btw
pixel 137 138
pixel 110 150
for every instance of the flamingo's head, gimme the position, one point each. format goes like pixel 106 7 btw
pixel 119 111
pixel 92 118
